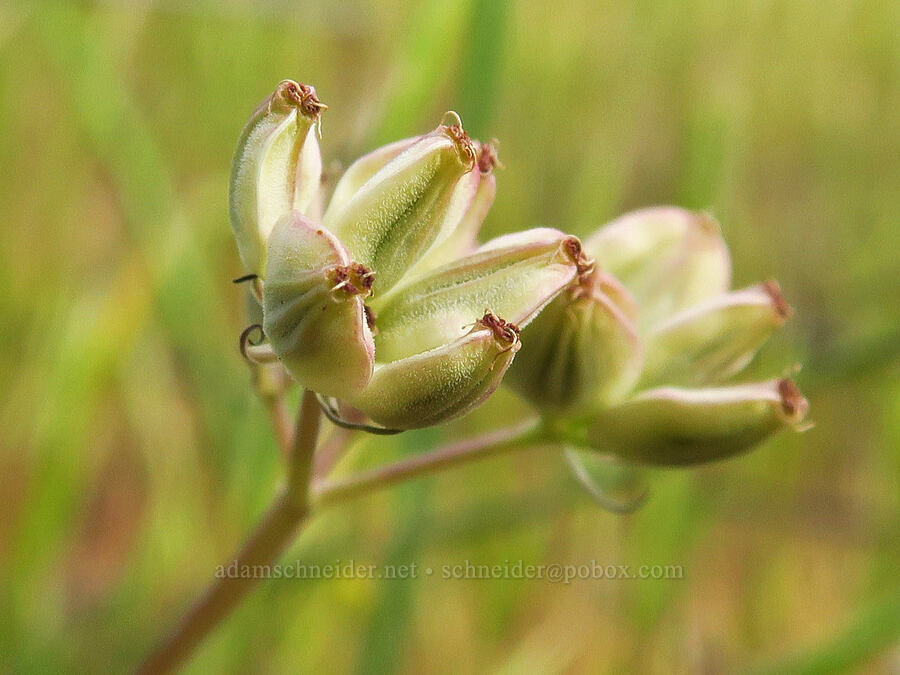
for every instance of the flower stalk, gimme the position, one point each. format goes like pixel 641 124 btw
pixel 276 531
pixel 298 501
pixel 328 492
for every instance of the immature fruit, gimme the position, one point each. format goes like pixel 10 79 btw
pixel 314 312
pixel 714 340
pixel 672 426
pixel 513 276
pixel 442 383
pixel 392 220
pixel 582 352
pixel 276 168
pixel 668 258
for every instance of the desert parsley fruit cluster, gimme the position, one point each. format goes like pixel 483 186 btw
pixel 381 298
pixel 639 352
pixel 378 300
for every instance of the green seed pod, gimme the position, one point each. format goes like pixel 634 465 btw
pixel 513 276
pixel 472 200
pixel 276 167
pixel 313 308
pixel 443 383
pixel 668 258
pixel 469 204
pixel 396 216
pixel 670 426
pixel 358 173
pixel 710 342
pixel 308 187
pixel 582 352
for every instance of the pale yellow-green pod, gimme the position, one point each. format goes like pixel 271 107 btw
pixel 392 220
pixel 313 308
pixel 361 170
pixel 671 426
pixel 472 200
pixel 668 258
pixel 276 168
pixel 712 341
pixel 514 276
pixel 308 188
pixel 582 352
pixel 443 383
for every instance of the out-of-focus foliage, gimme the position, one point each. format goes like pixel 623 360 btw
pixel 135 456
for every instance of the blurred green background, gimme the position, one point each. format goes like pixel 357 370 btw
pixel 135 456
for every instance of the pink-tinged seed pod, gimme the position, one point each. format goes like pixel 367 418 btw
pixel 668 258
pixel 472 200
pixel 712 341
pixel 513 276
pixel 673 426
pixel 583 351
pixel 392 220
pixel 313 306
pixel 443 383
pixel 276 168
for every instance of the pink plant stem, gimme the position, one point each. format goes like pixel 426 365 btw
pixel 272 536
pixel 328 492
pixel 291 511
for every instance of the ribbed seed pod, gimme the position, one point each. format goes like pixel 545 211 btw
pixel 314 312
pixel 392 220
pixel 582 352
pixel 443 383
pixel 276 168
pixel 712 341
pixel 513 276
pixel 674 426
pixel 668 258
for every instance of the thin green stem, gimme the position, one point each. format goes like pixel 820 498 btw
pixel 291 512
pixel 333 491
pixel 277 530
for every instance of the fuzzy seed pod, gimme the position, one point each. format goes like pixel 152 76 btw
pixel 513 276
pixel 668 258
pixel 712 341
pixel 472 200
pixel 582 352
pixel 360 171
pixel 276 168
pixel 440 384
pixel 673 426
pixel 392 220
pixel 314 312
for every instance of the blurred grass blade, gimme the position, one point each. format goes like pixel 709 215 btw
pixel 482 64
pixel 422 62
pixel 874 629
